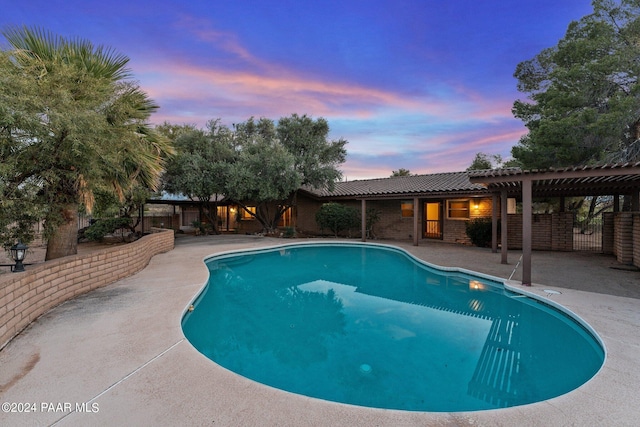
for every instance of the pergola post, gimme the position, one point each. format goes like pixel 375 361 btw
pixel 503 226
pixel 526 230
pixel 415 221
pixel 494 222
pixel 363 223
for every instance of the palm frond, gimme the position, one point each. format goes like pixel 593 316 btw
pixel 37 43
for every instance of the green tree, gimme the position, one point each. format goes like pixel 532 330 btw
pixel 264 173
pixel 274 161
pixel 584 103
pixel 200 170
pixel 401 172
pixel 316 158
pixel 485 161
pixel 71 121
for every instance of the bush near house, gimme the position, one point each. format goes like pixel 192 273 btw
pixel 337 217
pixel 479 231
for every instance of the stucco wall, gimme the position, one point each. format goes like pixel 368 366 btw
pixel 26 296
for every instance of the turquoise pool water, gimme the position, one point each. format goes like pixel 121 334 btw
pixel 370 325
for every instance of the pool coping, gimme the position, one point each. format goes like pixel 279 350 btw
pixel 120 347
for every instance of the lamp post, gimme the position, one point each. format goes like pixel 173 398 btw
pixel 18 252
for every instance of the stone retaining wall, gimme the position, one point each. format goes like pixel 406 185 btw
pixel 26 296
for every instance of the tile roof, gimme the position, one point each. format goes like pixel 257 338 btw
pixel 437 183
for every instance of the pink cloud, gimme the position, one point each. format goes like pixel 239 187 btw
pixel 286 92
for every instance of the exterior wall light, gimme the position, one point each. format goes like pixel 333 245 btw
pixel 18 253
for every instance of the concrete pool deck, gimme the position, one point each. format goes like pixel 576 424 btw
pixel 117 355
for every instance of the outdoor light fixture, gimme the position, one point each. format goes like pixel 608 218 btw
pixel 18 252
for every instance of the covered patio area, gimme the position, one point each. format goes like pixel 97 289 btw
pixel 615 180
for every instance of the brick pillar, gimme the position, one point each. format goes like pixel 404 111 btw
pixel 623 237
pixel 562 231
pixel 608 232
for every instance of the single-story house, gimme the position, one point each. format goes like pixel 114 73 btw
pixel 444 202
pixel 437 206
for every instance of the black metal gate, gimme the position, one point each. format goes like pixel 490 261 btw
pixel 587 233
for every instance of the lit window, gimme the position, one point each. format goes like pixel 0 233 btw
pixel 247 215
pixel 407 209
pixel 458 209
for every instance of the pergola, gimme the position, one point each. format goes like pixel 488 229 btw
pixel 613 179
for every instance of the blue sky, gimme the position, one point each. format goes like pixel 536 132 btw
pixel 421 85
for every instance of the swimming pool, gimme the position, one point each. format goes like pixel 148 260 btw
pixel 370 325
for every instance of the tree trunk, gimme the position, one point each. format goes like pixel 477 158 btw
pixel 64 240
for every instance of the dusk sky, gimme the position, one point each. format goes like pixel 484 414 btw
pixel 421 85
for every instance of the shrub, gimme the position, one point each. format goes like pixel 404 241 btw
pixel 288 232
pixel 337 217
pixel 479 231
pixel 100 228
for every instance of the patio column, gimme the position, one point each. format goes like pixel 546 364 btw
pixel 526 231
pixel 503 226
pixel 494 222
pixel 616 203
pixel 635 201
pixel 364 220
pixel 415 221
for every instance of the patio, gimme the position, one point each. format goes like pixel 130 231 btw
pixel 121 348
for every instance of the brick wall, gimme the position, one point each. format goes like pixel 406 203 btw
pixel 26 296
pixel 391 223
pixel 608 232
pixel 623 237
pixel 562 231
pixel 305 219
pixel 548 231
pixel 455 231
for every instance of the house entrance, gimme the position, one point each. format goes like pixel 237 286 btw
pixel 433 220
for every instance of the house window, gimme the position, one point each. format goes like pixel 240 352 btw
pixel 407 209
pixel 246 212
pixel 458 209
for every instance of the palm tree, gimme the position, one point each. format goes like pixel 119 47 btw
pixel 79 124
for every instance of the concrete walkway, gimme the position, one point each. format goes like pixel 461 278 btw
pixel 117 356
